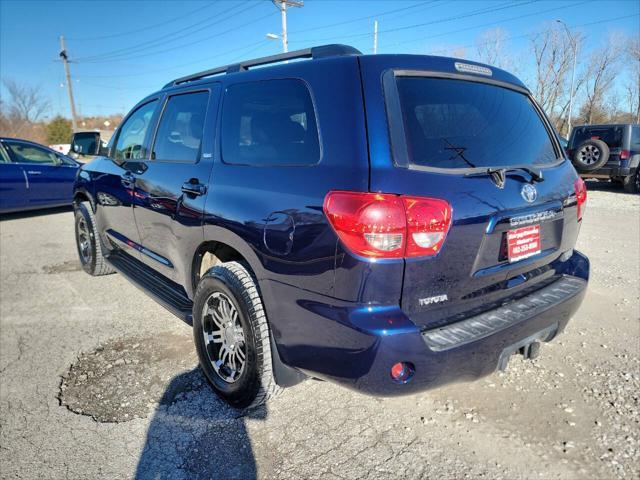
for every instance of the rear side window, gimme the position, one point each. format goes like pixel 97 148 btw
pixel 180 128
pixel 461 124
pixel 612 136
pixel 131 139
pixel 269 123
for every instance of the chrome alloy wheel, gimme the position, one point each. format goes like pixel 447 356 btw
pixel 83 238
pixel 589 154
pixel 223 337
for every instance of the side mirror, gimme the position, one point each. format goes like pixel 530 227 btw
pixel 86 143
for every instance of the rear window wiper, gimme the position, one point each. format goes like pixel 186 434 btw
pixel 534 173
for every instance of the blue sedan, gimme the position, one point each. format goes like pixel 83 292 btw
pixel 33 176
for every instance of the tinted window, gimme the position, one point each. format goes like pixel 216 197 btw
pixel 26 153
pixel 612 136
pixel 85 143
pixel 635 138
pixel 460 124
pixel 180 129
pixel 269 123
pixel 64 160
pixel 4 157
pixel 132 134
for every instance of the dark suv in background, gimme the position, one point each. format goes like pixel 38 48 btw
pixel 391 223
pixel 607 152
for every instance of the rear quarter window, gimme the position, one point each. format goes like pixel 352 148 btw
pixel 454 124
pixel 269 123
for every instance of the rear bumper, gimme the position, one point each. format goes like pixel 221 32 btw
pixel 356 346
pixel 620 169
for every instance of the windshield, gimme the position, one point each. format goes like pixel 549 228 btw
pixel 462 124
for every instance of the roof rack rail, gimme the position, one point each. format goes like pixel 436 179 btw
pixel 323 51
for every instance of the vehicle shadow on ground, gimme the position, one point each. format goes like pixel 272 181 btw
pixel 195 435
pixel 605 186
pixel 35 213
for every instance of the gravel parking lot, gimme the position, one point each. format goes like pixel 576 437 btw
pixel 98 381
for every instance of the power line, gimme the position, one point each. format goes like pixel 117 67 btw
pixel 473 13
pixel 115 87
pixel 166 37
pixel 533 34
pixel 144 29
pixel 368 17
pixel 253 46
pixel 219 34
pixel 236 59
pixel 539 12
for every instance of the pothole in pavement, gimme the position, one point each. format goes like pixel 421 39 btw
pixel 68 266
pixel 124 379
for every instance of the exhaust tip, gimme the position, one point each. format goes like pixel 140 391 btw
pixel 530 351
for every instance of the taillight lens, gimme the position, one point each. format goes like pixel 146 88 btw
pixel 377 225
pixel 581 196
pixel 624 154
pixel 370 224
pixel 428 221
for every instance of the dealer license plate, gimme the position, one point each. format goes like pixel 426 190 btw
pixel 523 242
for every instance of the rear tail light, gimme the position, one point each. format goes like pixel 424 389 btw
pixel 624 154
pixel 428 221
pixel 581 196
pixel 377 225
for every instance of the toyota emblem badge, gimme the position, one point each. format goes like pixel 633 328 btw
pixel 529 193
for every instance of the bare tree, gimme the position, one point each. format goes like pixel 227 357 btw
pixel 490 47
pixel 553 61
pixel 599 76
pixel 25 106
pixel 632 88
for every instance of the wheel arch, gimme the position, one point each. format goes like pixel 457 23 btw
pixel 82 195
pixel 226 246
pixel 232 247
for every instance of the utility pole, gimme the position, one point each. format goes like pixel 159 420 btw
pixel 375 37
pixel 65 62
pixel 282 6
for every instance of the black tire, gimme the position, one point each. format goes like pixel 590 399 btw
pixel 631 183
pixel 253 383
pixel 590 155
pixel 88 241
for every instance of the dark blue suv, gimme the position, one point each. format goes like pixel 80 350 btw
pixel 391 223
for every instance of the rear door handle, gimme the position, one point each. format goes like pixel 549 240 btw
pixel 194 188
pixel 128 180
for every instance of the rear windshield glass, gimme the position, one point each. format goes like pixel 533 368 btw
pixel 460 124
pixel 612 136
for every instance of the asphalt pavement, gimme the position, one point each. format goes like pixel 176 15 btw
pixel 98 381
